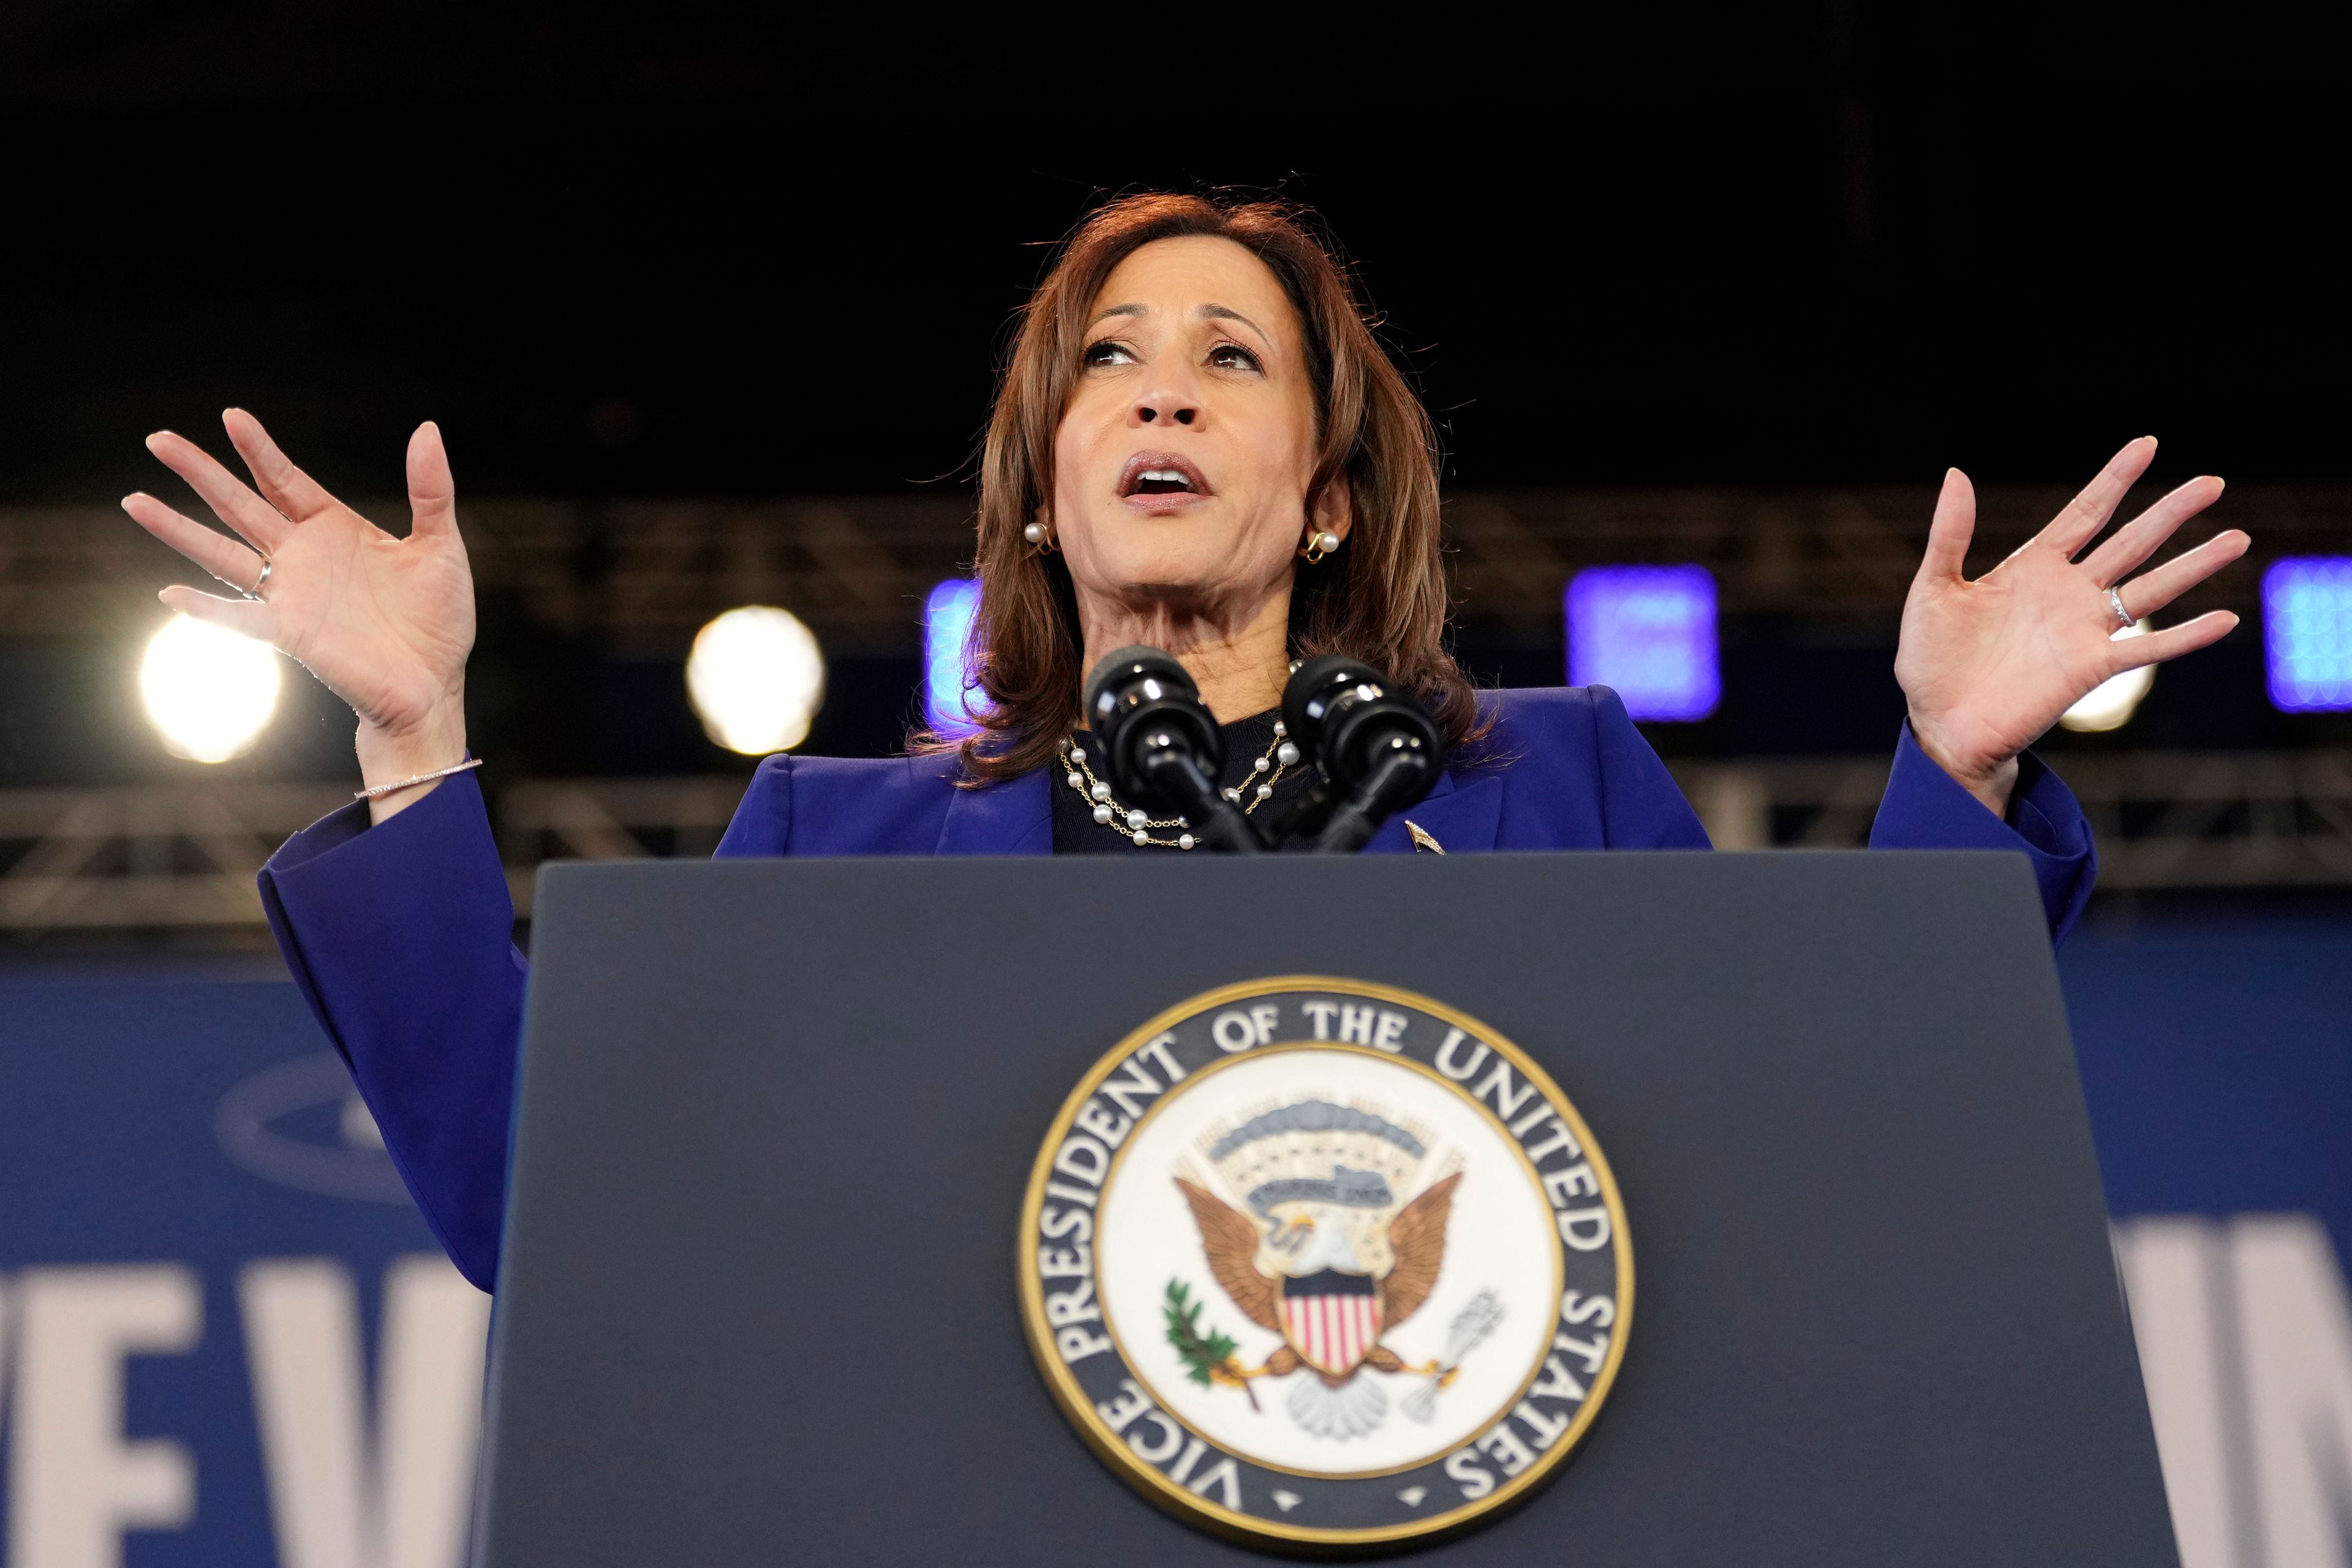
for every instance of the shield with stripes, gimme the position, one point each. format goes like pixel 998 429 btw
pixel 1332 1320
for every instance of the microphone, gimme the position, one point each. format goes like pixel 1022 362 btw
pixel 1373 745
pixel 1162 746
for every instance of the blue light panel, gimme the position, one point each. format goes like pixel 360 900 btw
pixel 1648 632
pixel 947 625
pixel 2307 633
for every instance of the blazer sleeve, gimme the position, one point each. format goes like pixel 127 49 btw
pixel 401 936
pixel 1926 808
pixel 1923 808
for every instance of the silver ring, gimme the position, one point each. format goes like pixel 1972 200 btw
pixel 261 582
pixel 2114 602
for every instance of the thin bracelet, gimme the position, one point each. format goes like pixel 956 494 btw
pixel 421 778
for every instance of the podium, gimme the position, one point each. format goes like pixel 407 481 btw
pixel 760 1299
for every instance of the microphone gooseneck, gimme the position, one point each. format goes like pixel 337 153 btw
pixel 1375 747
pixel 1162 746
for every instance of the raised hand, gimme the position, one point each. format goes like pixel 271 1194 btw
pixel 385 622
pixel 1989 665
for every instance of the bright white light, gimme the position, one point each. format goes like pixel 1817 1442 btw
pixel 2106 705
pixel 757 677
pixel 208 690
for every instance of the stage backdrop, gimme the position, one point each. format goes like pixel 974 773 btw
pixel 225 1337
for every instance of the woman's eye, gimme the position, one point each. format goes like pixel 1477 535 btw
pixel 1232 356
pixel 1107 352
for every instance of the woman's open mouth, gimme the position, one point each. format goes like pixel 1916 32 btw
pixel 1160 482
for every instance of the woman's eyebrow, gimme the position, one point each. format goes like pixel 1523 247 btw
pixel 1226 313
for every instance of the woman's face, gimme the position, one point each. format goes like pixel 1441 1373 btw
pixel 1180 466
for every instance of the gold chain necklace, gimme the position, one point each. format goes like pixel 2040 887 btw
pixel 1139 825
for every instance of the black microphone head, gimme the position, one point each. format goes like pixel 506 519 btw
pixel 1307 698
pixel 1140 704
pixel 1344 716
pixel 1118 672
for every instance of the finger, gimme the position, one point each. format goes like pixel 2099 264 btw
pixel 2138 540
pixel 2088 512
pixel 247 618
pixel 222 491
pixel 432 488
pixel 1954 523
pixel 2210 628
pixel 294 493
pixel 216 552
pixel 2147 595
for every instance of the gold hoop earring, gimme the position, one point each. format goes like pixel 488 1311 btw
pixel 1040 537
pixel 1319 545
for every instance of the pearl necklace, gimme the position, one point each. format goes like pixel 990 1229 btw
pixel 1139 825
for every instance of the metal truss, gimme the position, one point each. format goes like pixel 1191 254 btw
pixel 149 858
pixel 2164 820
pixel 640 576
pixel 143 857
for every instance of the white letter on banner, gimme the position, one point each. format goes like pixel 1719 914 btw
pixel 74 1484
pixel 2296 1324
pixel 2172 1270
pixel 338 1499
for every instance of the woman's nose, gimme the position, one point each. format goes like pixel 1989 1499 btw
pixel 1166 408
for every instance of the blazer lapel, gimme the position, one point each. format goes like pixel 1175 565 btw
pixel 1461 820
pixel 1015 817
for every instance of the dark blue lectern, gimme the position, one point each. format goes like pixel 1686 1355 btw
pixel 777 1118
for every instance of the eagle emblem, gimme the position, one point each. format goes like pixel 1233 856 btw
pixel 1323 1252
pixel 1315 1261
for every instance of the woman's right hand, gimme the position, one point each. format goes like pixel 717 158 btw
pixel 386 623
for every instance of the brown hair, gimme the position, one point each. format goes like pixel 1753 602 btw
pixel 1381 598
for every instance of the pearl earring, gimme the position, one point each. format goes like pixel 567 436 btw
pixel 1319 545
pixel 1038 534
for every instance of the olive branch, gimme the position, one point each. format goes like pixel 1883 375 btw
pixel 1209 1354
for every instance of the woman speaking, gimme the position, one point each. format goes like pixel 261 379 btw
pixel 1197 445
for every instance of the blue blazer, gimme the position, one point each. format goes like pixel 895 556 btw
pixel 401 936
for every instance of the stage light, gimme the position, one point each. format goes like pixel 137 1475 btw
pixel 2307 633
pixel 208 690
pixel 2109 704
pixel 1649 633
pixel 757 677
pixel 949 700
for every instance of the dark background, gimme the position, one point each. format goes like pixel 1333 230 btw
pixel 658 253
pixel 681 252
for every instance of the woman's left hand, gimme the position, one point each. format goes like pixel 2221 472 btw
pixel 1989 665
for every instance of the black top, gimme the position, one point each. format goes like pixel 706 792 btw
pixel 1075 831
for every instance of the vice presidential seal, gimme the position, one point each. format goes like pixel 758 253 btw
pixel 1312 1260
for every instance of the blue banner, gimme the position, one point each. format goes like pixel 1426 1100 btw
pixel 2216 1061
pixel 227 1338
